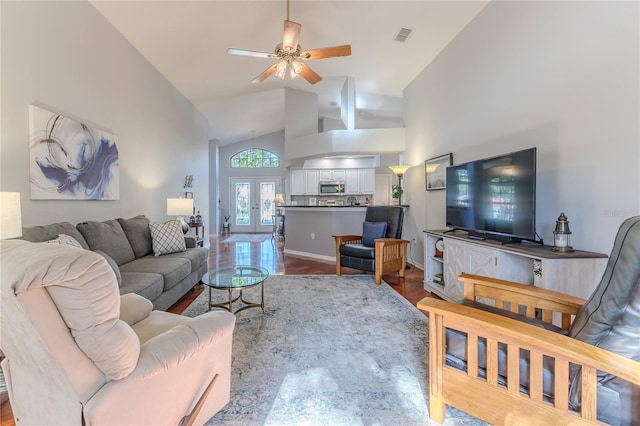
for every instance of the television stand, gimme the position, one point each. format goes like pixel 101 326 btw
pixel 576 273
pixel 502 239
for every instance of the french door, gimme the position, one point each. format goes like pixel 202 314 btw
pixel 252 205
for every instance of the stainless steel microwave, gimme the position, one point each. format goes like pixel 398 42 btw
pixel 333 187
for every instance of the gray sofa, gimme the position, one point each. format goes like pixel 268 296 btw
pixel 127 246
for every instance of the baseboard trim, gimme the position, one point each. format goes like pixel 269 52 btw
pixel 311 255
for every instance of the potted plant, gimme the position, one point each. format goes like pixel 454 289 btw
pixel 225 224
pixel 396 192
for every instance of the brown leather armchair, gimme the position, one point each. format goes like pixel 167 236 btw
pixel 381 255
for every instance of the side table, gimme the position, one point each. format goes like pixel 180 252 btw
pixel 278 226
pixel 197 226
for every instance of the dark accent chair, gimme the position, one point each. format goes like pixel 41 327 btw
pixel 505 369
pixel 388 254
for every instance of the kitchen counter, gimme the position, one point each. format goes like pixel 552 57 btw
pixel 330 207
pixel 324 207
pixel 310 229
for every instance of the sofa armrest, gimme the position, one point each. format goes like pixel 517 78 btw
pixel 451 386
pixel 190 241
pixel 134 308
pixel 186 357
pixel 514 296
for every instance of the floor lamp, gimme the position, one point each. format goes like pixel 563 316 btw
pixel 399 171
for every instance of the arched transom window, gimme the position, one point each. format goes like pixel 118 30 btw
pixel 255 158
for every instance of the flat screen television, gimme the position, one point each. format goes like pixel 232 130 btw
pixel 494 198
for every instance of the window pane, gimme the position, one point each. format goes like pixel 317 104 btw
pixel 267 206
pixel 243 191
pixel 255 158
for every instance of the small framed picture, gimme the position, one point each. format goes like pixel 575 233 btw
pixel 188 195
pixel 435 171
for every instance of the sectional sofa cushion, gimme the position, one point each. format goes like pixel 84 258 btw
pixel 148 285
pixel 173 270
pixel 197 256
pixel 137 231
pixel 108 237
pixel 40 234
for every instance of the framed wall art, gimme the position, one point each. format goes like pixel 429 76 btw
pixel 435 171
pixel 70 160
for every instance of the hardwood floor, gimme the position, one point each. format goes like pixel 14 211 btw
pixel 271 256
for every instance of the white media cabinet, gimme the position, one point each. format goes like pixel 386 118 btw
pixel 576 273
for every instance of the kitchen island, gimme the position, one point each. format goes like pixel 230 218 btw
pixel 310 228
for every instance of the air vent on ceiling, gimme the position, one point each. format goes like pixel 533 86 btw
pixel 403 34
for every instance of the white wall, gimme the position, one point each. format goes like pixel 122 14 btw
pixel 67 57
pixel 560 76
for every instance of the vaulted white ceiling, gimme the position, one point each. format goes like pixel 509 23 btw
pixel 187 42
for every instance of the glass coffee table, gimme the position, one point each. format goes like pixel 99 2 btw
pixel 236 278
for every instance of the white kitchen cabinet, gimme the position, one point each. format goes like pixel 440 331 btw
pixel 332 175
pixel 352 182
pixel 576 273
pixel 311 182
pixel 360 181
pixel 297 182
pixel 367 181
pixel 304 182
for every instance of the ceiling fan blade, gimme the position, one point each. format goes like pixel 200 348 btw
pixel 310 75
pixel 266 73
pixel 326 52
pixel 255 54
pixel 291 35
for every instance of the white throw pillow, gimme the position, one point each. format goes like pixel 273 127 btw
pixel 167 237
pixel 66 240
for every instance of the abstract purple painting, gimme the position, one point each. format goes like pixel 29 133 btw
pixel 70 160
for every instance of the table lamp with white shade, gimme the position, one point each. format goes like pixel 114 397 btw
pixel 180 207
pixel 10 215
pixel 279 200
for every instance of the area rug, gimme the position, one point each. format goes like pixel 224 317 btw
pixel 329 351
pixel 247 238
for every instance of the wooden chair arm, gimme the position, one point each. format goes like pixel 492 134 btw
pixel 511 296
pixel 530 337
pixel 347 239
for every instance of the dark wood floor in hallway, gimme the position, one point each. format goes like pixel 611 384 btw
pixel 270 255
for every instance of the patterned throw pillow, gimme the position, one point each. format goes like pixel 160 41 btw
pixel 167 237
pixel 66 240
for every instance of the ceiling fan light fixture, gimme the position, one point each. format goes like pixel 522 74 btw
pixel 281 69
pixel 295 68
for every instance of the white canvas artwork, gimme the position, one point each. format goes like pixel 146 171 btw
pixel 70 160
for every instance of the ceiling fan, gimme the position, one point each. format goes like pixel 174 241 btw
pixel 291 55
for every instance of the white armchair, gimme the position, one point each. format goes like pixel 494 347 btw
pixel 78 353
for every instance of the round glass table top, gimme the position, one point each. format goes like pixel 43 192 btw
pixel 235 277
